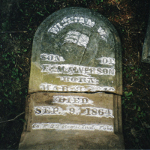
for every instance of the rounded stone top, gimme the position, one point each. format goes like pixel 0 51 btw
pixel 76 50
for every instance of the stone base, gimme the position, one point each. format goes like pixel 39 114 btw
pixel 71 140
pixel 72 121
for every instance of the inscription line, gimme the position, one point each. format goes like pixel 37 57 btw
pixel 76 69
pixel 58 126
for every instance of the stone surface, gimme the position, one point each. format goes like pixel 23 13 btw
pixel 75 85
pixel 70 120
pixel 146 45
pixel 76 50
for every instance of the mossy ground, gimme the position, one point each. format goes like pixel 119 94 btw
pixel 19 21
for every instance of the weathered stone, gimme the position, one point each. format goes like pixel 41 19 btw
pixel 70 120
pixel 146 45
pixel 76 52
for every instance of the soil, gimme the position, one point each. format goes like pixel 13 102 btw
pixel 19 21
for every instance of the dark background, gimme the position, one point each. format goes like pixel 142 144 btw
pixel 19 19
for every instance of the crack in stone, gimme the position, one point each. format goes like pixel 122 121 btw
pixel 62 92
pixel 82 56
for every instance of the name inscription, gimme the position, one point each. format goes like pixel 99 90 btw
pixel 66 21
pixel 59 126
pixel 75 69
pixel 102 33
pixel 78 88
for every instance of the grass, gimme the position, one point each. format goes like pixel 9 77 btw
pixel 20 19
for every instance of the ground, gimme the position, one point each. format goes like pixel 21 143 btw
pixel 19 21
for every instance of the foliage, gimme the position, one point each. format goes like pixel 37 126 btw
pixel 20 20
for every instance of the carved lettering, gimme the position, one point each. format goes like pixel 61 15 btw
pixel 74 110
pixel 76 69
pixel 90 23
pixel 54 110
pixel 102 33
pixel 48 110
pixel 74 88
pixel 97 112
pixel 69 100
pixel 106 60
pixel 66 21
pixel 79 79
pixel 58 126
pixel 51 57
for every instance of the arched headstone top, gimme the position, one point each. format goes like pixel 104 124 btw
pixel 76 50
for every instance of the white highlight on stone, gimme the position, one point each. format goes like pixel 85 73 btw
pixel 73 110
pixel 71 100
pixel 79 79
pixel 77 38
pixel 66 21
pixel 51 57
pixel 76 69
pixel 106 60
pixel 48 110
pixel 54 110
pixel 74 88
pixel 97 112
pixel 102 33
pixel 59 126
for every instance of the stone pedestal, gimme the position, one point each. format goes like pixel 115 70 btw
pixel 75 84
pixel 72 121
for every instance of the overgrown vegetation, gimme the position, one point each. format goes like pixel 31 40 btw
pixel 19 21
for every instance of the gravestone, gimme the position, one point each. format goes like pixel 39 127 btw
pixel 75 84
pixel 146 45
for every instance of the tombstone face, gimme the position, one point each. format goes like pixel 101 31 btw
pixel 73 111
pixel 76 50
pixel 76 58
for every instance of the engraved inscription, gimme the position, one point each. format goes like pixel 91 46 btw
pixel 97 112
pixel 48 110
pixel 76 69
pixel 58 126
pixel 79 79
pixel 74 110
pixel 66 21
pixel 77 38
pixel 54 110
pixel 106 60
pixel 102 33
pixel 69 100
pixel 51 57
pixel 52 87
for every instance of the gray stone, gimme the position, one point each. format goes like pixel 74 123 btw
pixel 76 50
pixel 146 45
pixel 75 84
